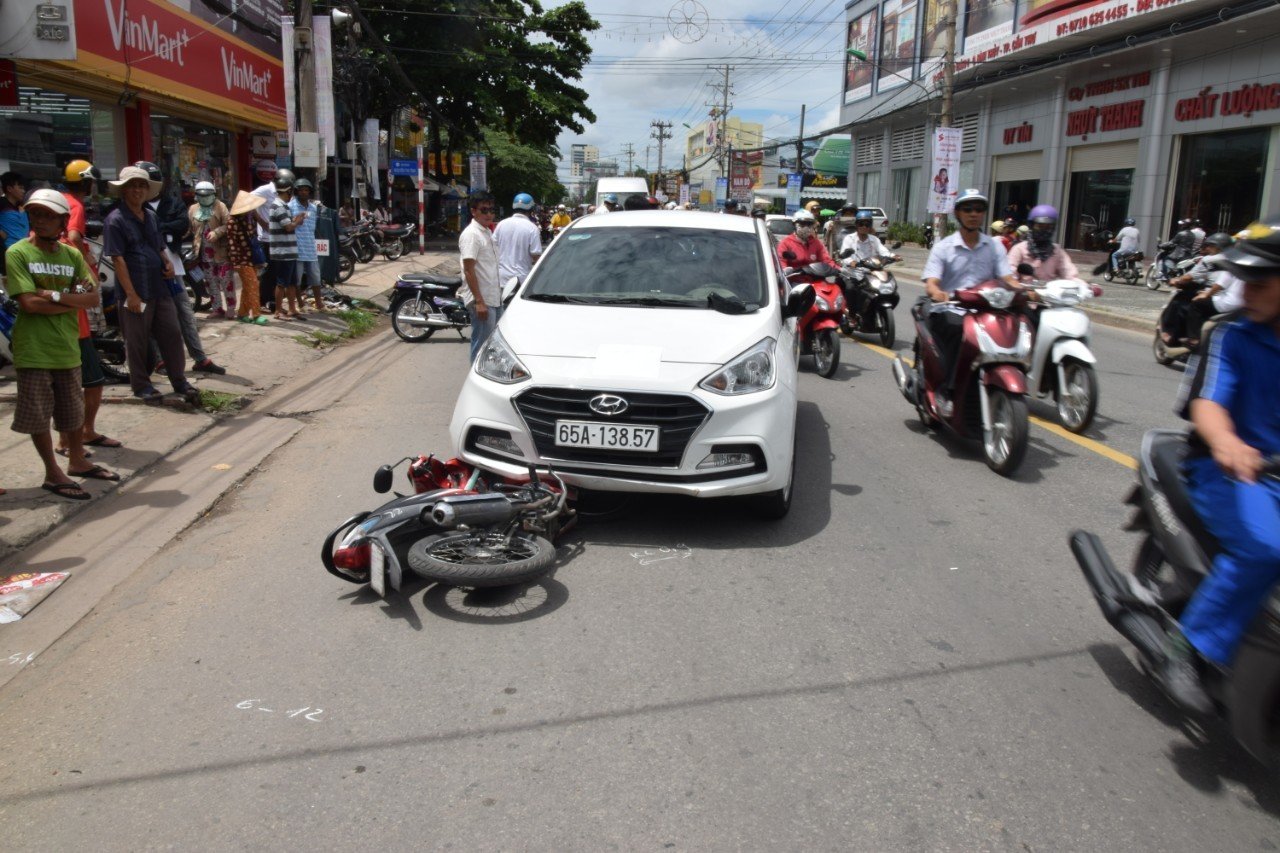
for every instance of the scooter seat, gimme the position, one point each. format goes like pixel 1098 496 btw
pixel 1167 453
pixel 451 281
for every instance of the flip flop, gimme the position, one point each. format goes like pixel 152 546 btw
pixel 150 395
pixel 63 451
pixel 97 472
pixel 70 491
pixel 260 321
pixel 103 441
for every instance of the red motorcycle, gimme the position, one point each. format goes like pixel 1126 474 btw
pixel 989 401
pixel 820 325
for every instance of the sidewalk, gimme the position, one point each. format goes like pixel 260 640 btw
pixel 257 359
pixel 1121 305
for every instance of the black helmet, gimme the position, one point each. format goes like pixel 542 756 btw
pixel 1256 253
pixel 152 170
pixel 1222 240
pixel 731 204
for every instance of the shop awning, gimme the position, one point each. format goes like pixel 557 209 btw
pixel 833 193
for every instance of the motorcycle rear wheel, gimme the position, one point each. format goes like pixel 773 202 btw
pixel 1161 351
pixel 405 330
pixel 1005 444
pixel 346 266
pixel 888 330
pixel 1078 401
pixel 481 558
pixel 826 352
pixel 364 251
pixel 1107 276
pixel 393 250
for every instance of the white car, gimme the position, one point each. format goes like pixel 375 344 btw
pixel 645 353
pixel 779 226
pixel 880 222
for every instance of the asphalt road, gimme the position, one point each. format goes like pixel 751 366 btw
pixel 910 660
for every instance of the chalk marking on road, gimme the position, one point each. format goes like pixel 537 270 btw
pixel 1087 443
pixel 648 556
pixel 256 705
pixel 20 659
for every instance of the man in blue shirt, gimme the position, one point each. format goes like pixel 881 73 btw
pixel 13 222
pixel 1234 407
pixel 308 267
pixel 963 259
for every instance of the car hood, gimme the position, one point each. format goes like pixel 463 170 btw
pixel 620 334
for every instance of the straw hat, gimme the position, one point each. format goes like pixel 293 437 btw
pixel 246 202
pixel 132 173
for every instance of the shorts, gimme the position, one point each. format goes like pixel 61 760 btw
pixel 91 375
pixel 45 394
pixel 284 272
pixel 308 274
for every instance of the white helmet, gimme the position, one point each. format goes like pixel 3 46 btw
pixel 49 199
pixel 803 217
pixel 671 205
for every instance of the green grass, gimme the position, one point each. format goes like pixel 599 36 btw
pixel 359 322
pixel 219 402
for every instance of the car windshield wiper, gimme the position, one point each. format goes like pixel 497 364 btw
pixel 650 300
pixel 730 304
pixel 558 297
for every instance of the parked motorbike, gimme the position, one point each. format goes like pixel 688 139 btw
pixel 424 302
pixel 1128 269
pixel 1061 362
pixel 1175 556
pixel 363 242
pixel 391 239
pixel 346 257
pixel 989 398
pixel 819 327
pixel 460 527
pixel 872 294
pixel 928 235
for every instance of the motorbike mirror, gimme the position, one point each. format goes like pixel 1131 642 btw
pixel 846 253
pixel 1026 269
pixel 800 300
pixel 896 244
pixel 382 479
pixel 789 255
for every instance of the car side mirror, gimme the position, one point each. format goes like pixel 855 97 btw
pixel 799 300
pixel 846 253
pixel 382 479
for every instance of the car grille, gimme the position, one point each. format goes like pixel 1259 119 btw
pixel 678 416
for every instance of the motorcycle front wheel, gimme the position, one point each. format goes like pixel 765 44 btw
pixel 1005 444
pixel 481 558
pixel 1078 398
pixel 1161 351
pixel 346 266
pixel 365 251
pixel 1107 276
pixel 401 315
pixel 393 250
pixel 888 331
pixel 1153 278
pixel 826 352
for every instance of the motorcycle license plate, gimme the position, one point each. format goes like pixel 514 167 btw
pixel 592 434
pixel 377 569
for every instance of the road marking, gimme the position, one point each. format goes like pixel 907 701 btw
pixel 1087 443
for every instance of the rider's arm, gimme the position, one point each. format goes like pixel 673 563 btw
pixel 933 287
pixel 1236 459
pixel 1213 390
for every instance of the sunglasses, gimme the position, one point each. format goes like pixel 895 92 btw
pixel 483 209
pixel 970 209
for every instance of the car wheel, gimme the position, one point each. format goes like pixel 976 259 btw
pixel 774 506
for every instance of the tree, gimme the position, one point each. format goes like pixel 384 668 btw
pixel 515 168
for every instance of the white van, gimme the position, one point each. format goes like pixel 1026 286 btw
pixel 623 188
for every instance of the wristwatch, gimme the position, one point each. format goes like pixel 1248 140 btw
pixel 55 295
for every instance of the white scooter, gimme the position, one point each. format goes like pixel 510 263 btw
pixel 1061 361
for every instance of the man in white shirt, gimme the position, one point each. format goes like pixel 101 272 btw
pixel 1127 237
pixel 1222 292
pixel 863 241
pixel 266 172
pixel 483 291
pixel 519 241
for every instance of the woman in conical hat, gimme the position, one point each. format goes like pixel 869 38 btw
pixel 241 235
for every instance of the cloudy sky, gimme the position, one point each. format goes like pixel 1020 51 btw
pixel 665 60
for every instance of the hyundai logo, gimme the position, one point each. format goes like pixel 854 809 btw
pixel 608 404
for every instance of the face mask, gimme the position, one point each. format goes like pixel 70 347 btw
pixel 804 232
pixel 205 200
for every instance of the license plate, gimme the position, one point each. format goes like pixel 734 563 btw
pixel 377 569
pixel 594 434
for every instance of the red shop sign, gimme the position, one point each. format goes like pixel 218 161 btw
pixel 8 84
pixel 171 52
pixel 1123 116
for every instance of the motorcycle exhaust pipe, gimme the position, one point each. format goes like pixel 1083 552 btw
pixel 470 510
pixel 905 378
pixel 1111 589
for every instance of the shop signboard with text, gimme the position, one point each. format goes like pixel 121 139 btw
pixel 159 47
pixel 858 73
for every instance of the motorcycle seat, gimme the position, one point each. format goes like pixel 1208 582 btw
pixel 1167 453
pixel 450 281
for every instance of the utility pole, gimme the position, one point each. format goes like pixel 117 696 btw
pixel 800 143
pixel 661 132
pixel 305 66
pixel 631 153
pixel 948 82
pixel 721 110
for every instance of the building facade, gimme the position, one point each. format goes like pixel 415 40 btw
pixel 1128 108
pixel 581 155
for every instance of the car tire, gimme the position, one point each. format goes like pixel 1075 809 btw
pixel 774 506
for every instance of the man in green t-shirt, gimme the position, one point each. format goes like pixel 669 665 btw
pixel 50 282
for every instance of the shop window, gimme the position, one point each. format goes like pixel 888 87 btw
pixel 1220 178
pixel 868 189
pixel 44 132
pixel 1098 202
pixel 904 203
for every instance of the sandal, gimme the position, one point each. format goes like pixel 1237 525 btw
pixel 97 472
pixel 298 317
pixel 150 395
pixel 65 451
pixel 260 321
pixel 70 491
pixel 102 441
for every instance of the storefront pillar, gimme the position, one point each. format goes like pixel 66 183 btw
pixel 1153 157
pixel 137 129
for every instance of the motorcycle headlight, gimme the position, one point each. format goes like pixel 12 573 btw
pixel 496 361
pixel 888 287
pixel 998 298
pixel 752 371
pixel 839 306
pixel 823 305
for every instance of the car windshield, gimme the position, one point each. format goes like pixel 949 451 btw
pixel 652 266
pixel 781 227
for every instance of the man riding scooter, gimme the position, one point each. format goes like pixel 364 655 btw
pixel 1233 403
pixel 1198 293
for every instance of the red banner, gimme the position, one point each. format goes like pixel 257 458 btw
pixel 171 52
pixel 8 84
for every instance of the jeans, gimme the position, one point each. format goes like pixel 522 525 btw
pixel 308 274
pixel 1245 518
pixel 482 329
pixel 1117 256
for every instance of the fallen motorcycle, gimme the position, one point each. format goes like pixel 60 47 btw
pixel 461 527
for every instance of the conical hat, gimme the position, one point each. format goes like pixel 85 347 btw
pixel 246 202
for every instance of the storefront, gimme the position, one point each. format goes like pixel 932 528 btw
pixel 148 80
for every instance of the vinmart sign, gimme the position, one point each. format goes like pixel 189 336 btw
pixel 161 48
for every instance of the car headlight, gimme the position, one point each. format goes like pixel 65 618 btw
pixel 496 361
pixel 754 370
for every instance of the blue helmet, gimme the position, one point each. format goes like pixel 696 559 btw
pixel 522 201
